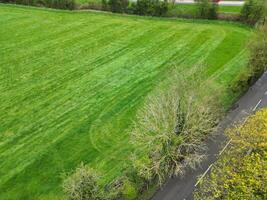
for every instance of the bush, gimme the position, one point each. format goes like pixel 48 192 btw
pixel 207 9
pixel 170 128
pixel 241 173
pixel 258 49
pixel 131 8
pixel 59 4
pixel 118 6
pixel 257 62
pixel 253 11
pixel 121 188
pixel 129 192
pixel 242 82
pixel 104 5
pixel 83 185
pixel 91 5
pixel 151 7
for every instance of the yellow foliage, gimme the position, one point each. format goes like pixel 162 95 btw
pixel 253 134
pixel 241 173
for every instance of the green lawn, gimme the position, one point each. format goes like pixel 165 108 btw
pixel 71 83
pixel 88 1
pixel 230 9
pixel 191 10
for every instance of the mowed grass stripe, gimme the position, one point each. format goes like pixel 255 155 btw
pixel 79 77
pixel 231 68
pixel 31 140
pixel 71 93
pixel 48 84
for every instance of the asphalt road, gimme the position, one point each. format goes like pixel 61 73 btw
pixel 224 3
pixel 182 188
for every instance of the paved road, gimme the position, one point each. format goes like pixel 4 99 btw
pixel 182 188
pixel 231 3
pixel 225 3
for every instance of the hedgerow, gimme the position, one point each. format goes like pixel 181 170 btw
pixel 207 9
pixel 151 7
pixel 60 4
pixel 253 11
pixel 257 60
pixel 118 6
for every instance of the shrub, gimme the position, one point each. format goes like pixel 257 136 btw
pixel 257 61
pixel 83 185
pixel 118 6
pixel 170 128
pixel 207 9
pixel 129 192
pixel 104 4
pixel 131 8
pixel 151 7
pixel 242 82
pixel 60 4
pixel 121 188
pixel 258 49
pixel 91 5
pixel 253 11
pixel 241 173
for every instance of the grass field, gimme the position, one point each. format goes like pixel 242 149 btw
pixel 230 9
pixel 71 83
pixel 191 10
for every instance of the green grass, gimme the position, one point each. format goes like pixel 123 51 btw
pixel 71 83
pixel 230 9
pixel 191 10
pixel 88 1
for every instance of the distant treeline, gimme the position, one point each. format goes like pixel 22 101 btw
pixel 59 4
pixel 205 9
pixel 140 7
